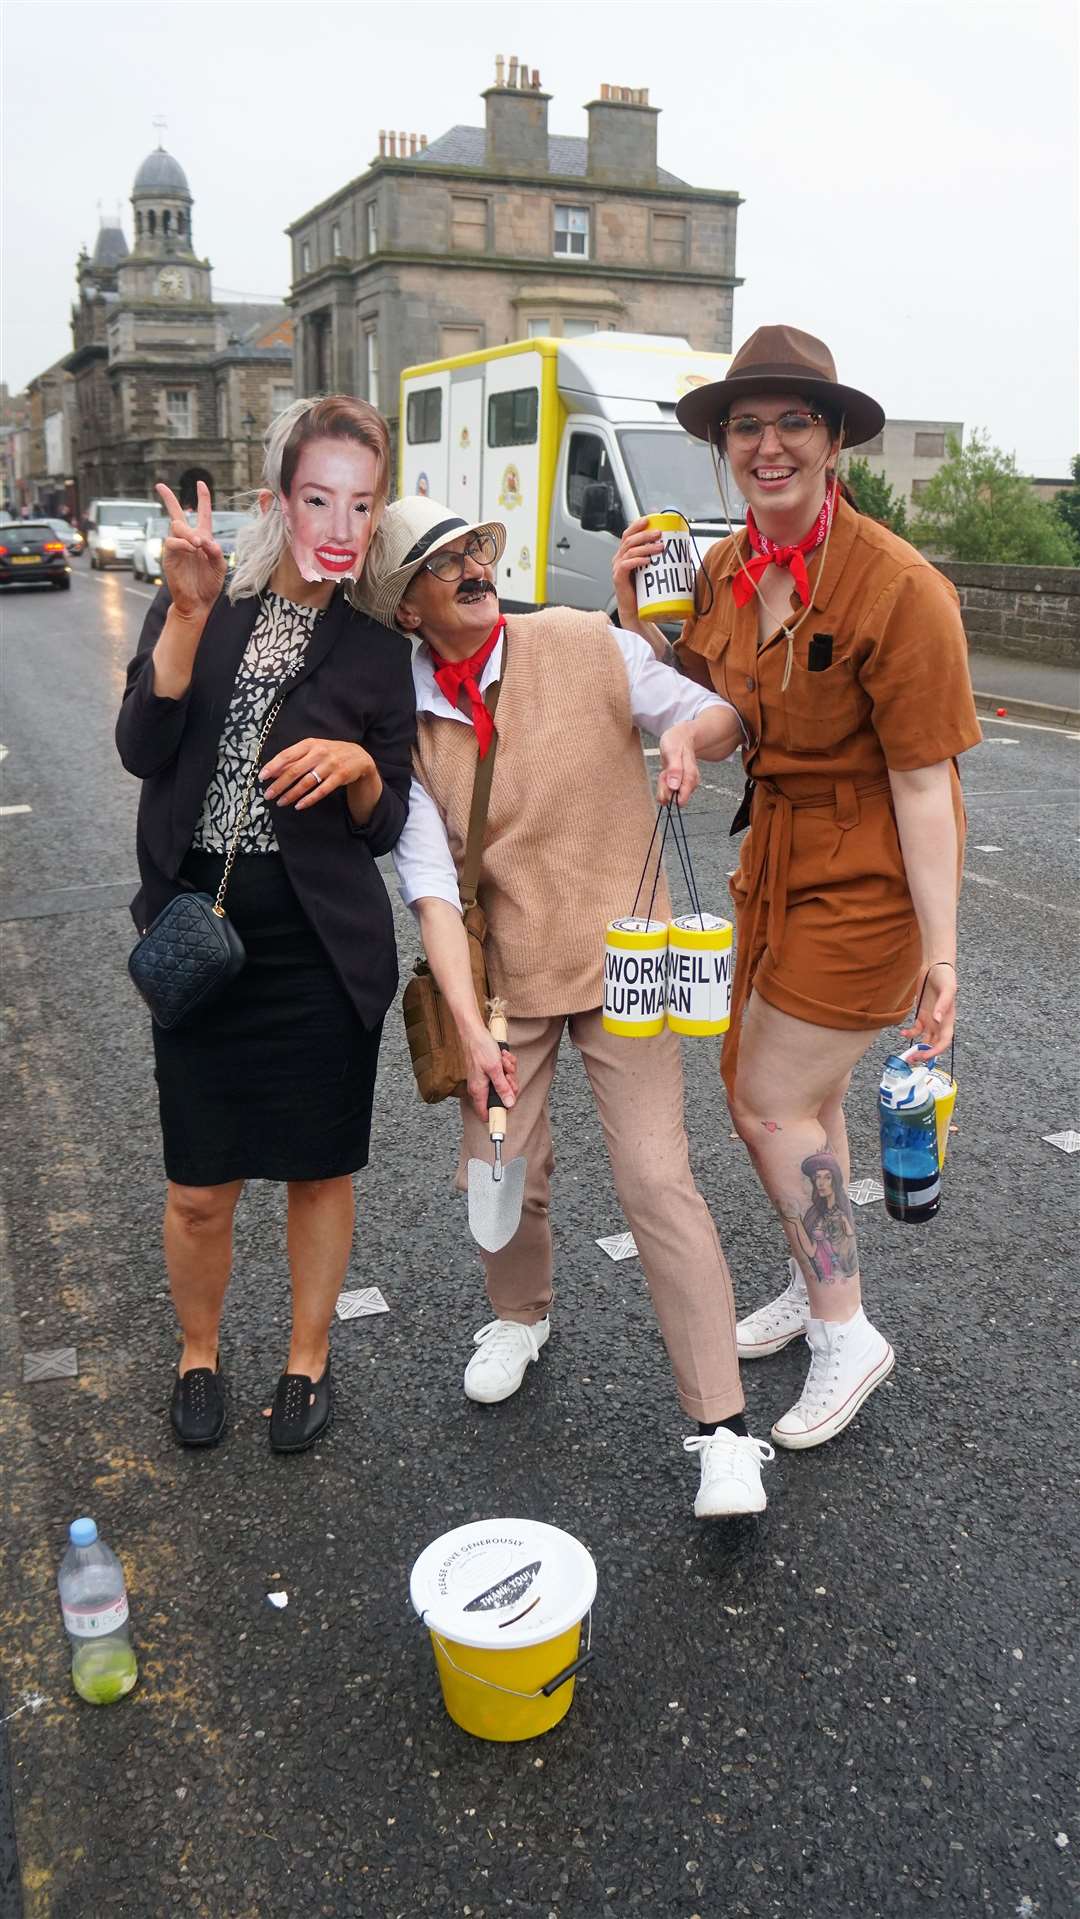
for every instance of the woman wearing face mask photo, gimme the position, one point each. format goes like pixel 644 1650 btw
pixel 843 651
pixel 274 1079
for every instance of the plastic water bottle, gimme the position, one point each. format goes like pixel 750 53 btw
pixel 910 1163
pixel 93 1599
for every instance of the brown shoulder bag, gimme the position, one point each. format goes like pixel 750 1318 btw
pixel 438 1061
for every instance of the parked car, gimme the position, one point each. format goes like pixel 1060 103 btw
pixel 146 553
pixel 72 538
pixel 31 550
pixel 113 528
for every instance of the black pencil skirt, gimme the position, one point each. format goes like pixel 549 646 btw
pixel 275 1079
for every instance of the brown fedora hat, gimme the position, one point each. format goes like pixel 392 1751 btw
pixel 780 359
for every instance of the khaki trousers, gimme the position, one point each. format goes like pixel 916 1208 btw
pixel 638 1088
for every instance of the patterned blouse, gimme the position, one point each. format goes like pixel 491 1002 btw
pixel 273 654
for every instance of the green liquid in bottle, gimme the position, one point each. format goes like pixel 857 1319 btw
pixel 102 1673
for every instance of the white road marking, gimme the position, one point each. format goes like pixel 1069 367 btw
pixel 1047 906
pixel 1027 726
pixel 3 752
pixel 989 849
pixel 6 811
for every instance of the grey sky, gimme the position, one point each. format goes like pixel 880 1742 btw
pixel 909 170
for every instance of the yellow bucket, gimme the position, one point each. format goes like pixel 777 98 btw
pixel 635 977
pixel 665 587
pixel 504 1601
pixel 944 1101
pixel 699 974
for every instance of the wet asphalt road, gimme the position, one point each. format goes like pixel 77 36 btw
pixel 864 1703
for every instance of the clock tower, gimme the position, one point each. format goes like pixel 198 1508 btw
pixel 164 265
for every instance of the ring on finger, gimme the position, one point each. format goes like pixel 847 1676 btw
pixel 312 775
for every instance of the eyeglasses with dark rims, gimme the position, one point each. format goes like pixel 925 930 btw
pixel 448 565
pixel 793 428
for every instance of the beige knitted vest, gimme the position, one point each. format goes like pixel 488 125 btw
pixel 570 815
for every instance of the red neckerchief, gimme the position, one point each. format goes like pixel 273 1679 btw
pixel 767 553
pixel 452 675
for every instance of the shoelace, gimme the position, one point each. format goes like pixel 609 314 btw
pixel 500 1339
pixel 823 1369
pixel 699 1442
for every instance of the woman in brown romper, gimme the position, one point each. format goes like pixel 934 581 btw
pixel 843 651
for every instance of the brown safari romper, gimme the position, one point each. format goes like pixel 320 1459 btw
pixel 825 925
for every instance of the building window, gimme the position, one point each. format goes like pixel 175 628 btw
pixel 178 412
pixel 929 446
pixel 335 241
pixel 876 445
pixel 372 226
pixel 138 224
pixel 587 464
pixel 166 221
pixel 538 329
pixel 512 417
pixel 305 257
pixel 151 221
pixel 576 329
pixel 222 413
pixel 918 488
pixel 280 398
pixel 456 340
pixel 179 223
pixel 572 232
pixel 423 416
pixel 468 224
pixel 669 236
pixel 372 339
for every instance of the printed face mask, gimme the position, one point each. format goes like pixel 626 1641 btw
pixel 328 513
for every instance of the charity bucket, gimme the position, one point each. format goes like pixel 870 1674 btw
pixel 665 585
pixel 699 974
pixel 504 1601
pixel 944 1088
pixel 635 977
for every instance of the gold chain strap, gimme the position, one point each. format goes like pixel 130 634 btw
pixel 245 807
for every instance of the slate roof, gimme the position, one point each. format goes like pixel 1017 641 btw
pixel 111 246
pixel 160 173
pixel 568 153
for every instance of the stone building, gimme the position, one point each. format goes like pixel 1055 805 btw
pixel 50 480
pixel 908 453
pixel 499 232
pixel 170 384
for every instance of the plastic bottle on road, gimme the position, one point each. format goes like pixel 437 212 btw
pixel 93 1599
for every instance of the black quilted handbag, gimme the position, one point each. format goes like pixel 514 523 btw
pixel 185 958
pixel 188 955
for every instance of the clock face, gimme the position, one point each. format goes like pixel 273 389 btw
pixel 170 283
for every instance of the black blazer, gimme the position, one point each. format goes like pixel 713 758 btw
pixel 355 684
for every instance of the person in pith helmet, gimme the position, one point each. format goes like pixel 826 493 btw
pixel 842 649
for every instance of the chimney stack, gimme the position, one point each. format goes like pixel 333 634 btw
pixel 382 143
pixel 517 120
pixel 391 139
pixel 622 137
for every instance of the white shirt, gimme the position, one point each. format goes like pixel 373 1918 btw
pixel 659 697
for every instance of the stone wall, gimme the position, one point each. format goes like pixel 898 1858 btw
pixel 1028 612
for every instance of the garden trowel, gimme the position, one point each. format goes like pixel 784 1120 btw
pixel 495 1191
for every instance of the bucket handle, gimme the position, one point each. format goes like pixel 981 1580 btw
pixel 542 1692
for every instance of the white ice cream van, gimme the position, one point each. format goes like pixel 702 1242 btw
pixel 565 441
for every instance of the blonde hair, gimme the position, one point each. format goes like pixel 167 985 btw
pixel 260 546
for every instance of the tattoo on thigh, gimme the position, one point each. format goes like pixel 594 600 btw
pixel 825 1230
pixel 772 1126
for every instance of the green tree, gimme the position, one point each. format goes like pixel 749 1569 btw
pixel 978 508
pixel 1067 503
pixel 875 497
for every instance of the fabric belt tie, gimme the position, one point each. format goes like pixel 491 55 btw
pixel 772 821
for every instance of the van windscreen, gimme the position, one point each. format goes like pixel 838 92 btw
pixel 125 512
pixel 669 469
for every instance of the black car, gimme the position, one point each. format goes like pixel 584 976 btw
pixel 32 550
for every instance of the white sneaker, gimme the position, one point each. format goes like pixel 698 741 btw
pixel 777 1324
pixel 497 1369
pixel 730 1473
pixel 846 1362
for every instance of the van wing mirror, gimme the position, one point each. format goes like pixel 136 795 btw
pixel 600 511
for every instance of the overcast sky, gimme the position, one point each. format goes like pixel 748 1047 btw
pixel 909 170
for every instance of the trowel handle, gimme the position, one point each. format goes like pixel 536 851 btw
pixel 496 1109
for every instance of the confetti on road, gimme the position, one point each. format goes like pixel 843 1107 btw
pixel 54 1362
pixel 359 1304
pixel 863 1192
pixel 1065 1142
pixel 278 1600
pixel 989 849
pixel 619 1246
pixel 997 742
pixel 7 811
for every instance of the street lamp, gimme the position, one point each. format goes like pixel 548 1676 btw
pixel 248 425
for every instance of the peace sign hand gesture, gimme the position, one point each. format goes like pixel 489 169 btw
pixel 192 561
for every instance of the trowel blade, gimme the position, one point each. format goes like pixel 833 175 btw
pixel 495 1204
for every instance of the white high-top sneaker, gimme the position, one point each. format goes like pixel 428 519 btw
pixel 730 1473
pixel 504 1351
pixel 784 1318
pixel 846 1362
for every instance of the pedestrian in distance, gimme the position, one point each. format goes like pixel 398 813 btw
pixel 843 651
pixel 274 1079
pixel 569 816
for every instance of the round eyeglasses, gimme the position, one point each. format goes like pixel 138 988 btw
pixel 448 565
pixel 792 428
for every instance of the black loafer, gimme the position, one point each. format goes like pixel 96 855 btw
pixel 296 1421
pixel 198 1406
